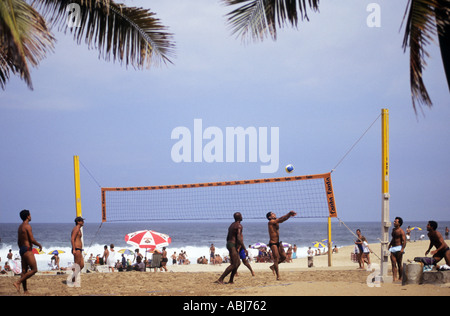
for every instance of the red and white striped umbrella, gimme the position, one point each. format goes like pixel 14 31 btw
pixel 147 239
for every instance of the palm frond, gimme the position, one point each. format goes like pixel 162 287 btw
pixel 256 19
pixel 127 34
pixel 443 26
pixel 421 28
pixel 24 40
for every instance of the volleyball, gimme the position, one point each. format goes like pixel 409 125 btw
pixel 289 168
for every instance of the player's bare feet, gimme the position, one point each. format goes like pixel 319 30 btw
pixel 17 286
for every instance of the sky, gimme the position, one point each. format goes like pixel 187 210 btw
pixel 321 86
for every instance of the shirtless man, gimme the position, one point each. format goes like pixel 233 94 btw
pixel 442 250
pixel 275 245
pixel 25 241
pixel 235 240
pixel 105 255
pixel 77 245
pixel 397 248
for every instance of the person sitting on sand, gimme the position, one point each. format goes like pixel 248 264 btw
pixel 218 259
pixel 6 268
pixel 139 265
pixel 186 259
pixel 335 249
pixel 54 262
pixel 118 266
pixel 180 257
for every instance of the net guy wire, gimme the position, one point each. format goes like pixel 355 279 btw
pixel 353 146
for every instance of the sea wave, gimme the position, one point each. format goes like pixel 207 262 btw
pixel 66 258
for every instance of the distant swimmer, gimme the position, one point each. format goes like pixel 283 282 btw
pixel 25 241
pixel 275 244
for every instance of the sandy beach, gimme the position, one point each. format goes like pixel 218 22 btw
pixel 343 278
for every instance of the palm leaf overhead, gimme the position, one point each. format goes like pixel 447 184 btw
pixel 424 20
pixel 443 14
pixel 258 18
pixel 132 36
pixel 24 38
pixel 127 34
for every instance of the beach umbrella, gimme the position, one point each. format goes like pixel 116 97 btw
pixel 285 244
pixel 37 252
pixel 258 245
pixel 56 252
pixel 148 239
pixel 415 229
pixel 325 241
pixel 318 244
pixel 126 252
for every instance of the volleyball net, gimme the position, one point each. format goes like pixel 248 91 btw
pixel 309 196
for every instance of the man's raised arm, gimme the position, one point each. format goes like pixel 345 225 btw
pixel 286 217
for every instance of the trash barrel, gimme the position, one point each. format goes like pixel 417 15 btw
pixel 412 273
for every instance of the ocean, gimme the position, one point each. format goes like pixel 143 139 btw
pixel 194 237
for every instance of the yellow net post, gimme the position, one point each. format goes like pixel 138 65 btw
pixel 329 242
pixel 385 222
pixel 76 169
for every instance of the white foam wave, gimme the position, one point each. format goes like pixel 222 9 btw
pixel 66 258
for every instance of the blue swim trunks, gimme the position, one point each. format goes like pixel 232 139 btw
pixel 242 254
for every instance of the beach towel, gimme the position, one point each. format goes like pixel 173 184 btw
pixel 426 260
pixel 444 268
pixel 16 266
pixel 111 261
pixel 395 249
